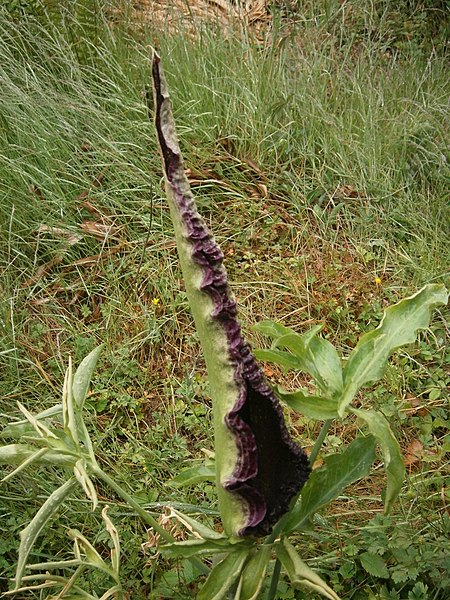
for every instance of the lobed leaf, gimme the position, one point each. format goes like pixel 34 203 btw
pixel 14 454
pixel 308 352
pixel 278 357
pixel 85 481
pixel 313 407
pixel 19 428
pixel 374 565
pixel 195 547
pixel 392 456
pixel 35 456
pixel 272 328
pixel 93 558
pixel 298 571
pixel 317 357
pixel 327 482
pixel 115 550
pixel 399 326
pixel 42 430
pixel 54 564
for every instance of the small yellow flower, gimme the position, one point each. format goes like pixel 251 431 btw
pixel 377 280
pixel 155 301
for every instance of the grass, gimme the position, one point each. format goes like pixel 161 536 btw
pixel 321 165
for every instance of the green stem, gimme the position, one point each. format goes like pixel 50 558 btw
pixel 279 526
pixel 145 516
pixel 274 581
pixel 318 443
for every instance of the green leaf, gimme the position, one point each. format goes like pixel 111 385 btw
pixel 115 550
pixel 392 456
pixel 279 357
pixel 19 428
pixel 398 327
pixel 85 481
pixel 14 454
pixel 253 574
pixel 35 456
pixel 29 535
pixel 83 376
pixel 70 425
pixel 313 407
pixel 42 430
pixel 194 547
pixel 374 565
pixel 54 564
pixel 93 558
pixel 308 352
pixel 327 482
pixel 223 575
pixel 298 571
pixel 84 435
pixel 317 357
pixel 327 364
pixel 196 527
pixel 271 328
pixel 194 475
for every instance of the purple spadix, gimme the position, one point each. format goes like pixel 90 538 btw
pixel 260 469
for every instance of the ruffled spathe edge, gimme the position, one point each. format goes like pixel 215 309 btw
pixel 270 468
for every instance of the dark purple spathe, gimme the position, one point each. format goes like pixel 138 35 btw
pixel 270 467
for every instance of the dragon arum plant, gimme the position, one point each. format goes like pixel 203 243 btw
pixel 260 470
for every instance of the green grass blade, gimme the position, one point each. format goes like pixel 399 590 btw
pixel 29 535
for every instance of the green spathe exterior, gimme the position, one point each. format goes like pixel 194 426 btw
pixel 259 467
